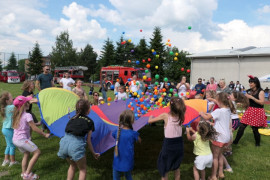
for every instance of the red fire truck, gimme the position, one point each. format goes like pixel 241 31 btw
pixel 114 72
pixel 10 76
pixel 76 72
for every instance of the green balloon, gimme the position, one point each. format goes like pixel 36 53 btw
pixel 171 90
pixel 171 53
pixel 146 71
pixel 175 95
pixel 157 76
pixel 156 83
pixel 165 79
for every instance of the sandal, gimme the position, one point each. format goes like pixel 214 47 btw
pixel 222 176
pixel 30 176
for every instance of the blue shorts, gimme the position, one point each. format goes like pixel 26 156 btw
pixel 72 147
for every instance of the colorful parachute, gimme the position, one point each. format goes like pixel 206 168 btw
pixel 57 106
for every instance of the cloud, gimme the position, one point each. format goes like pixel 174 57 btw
pixel 264 10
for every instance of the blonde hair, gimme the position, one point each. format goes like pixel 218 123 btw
pixel 223 98
pixel 17 115
pixel 27 84
pixel 3 103
pixel 206 131
pixel 211 93
pixel 126 119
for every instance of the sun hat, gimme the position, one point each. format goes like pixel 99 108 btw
pixel 21 100
pixel 100 98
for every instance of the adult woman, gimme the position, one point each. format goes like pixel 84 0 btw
pixel 212 86
pixel 222 87
pixel 254 115
pixel 95 98
pixel 183 87
pixel 79 90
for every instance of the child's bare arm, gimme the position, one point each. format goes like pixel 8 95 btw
pixel 189 136
pixel 163 116
pixel 139 139
pixel 90 146
pixel 36 129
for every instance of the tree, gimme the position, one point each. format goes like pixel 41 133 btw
pixel 63 54
pixel 125 50
pixel 12 62
pixel 1 67
pixel 158 55
pixel 21 65
pixel 88 58
pixel 142 52
pixel 107 56
pixel 35 60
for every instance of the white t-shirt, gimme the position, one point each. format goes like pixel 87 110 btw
pixel 238 87
pixel 182 90
pixel 134 87
pixel 234 116
pixel 222 119
pixel 120 96
pixel 67 81
pixel 209 103
pixel 116 86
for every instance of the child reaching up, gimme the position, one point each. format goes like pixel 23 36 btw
pixel 7 109
pixel 22 121
pixel 210 97
pixel 204 157
pixel 72 145
pixel 123 161
pixel 172 150
pixel 121 95
pixel 222 118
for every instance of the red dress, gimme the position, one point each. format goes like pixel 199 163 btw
pixel 255 115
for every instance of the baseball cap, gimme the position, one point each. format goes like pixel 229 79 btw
pixel 21 100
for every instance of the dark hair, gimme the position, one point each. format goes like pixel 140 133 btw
pixel 206 131
pixel 223 98
pixel 126 119
pixel 178 109
pixel 256 81
pixel 241 98
pixel 82 108
pixel 3 103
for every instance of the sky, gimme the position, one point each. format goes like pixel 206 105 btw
pixel 215 24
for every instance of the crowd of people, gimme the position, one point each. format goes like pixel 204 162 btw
pixel 212 137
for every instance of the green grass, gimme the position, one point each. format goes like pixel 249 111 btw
pixel 247 161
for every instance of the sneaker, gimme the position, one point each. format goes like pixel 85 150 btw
pixel 13 163
pixel 228 170
pixel 5 162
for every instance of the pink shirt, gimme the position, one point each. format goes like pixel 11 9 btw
pixel 23 132
pixel 212 87
pixel 172 129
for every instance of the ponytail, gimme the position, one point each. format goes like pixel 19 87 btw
pixel 231 106
pixel 3 103
pixel 17 116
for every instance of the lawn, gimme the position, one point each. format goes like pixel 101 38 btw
pixel 247 161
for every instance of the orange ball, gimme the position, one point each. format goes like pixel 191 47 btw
pixel 109 98
pixel 148 66
pixel 129 106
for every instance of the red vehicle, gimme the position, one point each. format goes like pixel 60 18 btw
pixel 114 72
pixel 76 72
pixel 10 76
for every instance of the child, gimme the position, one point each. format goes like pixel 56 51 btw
pixel 72 145
pixel 91 90
pixel 204 157
pixel 123 160
pixel 172 150
pixel 210 97
pixel 28 88
pixel 7 112
pixel 222 118
pixel 22 122
pixel 121 95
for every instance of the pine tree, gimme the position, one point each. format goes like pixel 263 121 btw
pixel 1 67
pixel 107 56
pixel 21 65
pixel 158 55
pixel 125 51
pixel 142 52
pixel 63 54
pixel 35 60
pixel 12 62
pixel 88 58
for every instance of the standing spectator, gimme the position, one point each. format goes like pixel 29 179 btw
pixel 67 82
pixel 238 87
pixel 104 89
pixel 200 87
pixel 44 80
pixel 254 115
pixel 212 86
pixel 183 87
pixel 222 87
pixel 204 82
pixel 231 86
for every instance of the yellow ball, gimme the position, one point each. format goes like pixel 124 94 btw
pixel 109 104
pixel 144 77
pixel 176 54
pixel 156 67
pixel 153 50
pixel 138 96
pixel 175 58
pixel 135 94
pixel 129 40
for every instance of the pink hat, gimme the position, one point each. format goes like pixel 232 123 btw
pixel 20 100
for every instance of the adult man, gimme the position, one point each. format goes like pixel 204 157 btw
pixel 200 87
pixel 231 85
pixel 67 82
pixel 104 89
pixel 238 87
pixel 44 80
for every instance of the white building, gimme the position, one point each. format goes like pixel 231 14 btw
pixel 231 65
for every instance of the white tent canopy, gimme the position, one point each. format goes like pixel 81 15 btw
pixel 265 78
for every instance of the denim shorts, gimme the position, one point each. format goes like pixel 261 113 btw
pixel 72 147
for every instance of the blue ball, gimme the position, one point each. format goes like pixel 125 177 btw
pixel 154 53
pixel 112 87
pixel 137 62
pixel 116 93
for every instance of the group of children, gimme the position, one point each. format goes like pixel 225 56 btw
pixel 215 126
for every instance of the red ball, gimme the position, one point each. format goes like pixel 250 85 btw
pixel 188 71
pixel 143 60
pixel 149 59
pixel 182 69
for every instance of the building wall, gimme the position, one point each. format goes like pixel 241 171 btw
pixel 230 69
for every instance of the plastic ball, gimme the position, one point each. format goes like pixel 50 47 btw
pixel 188 71
pixel 156 67
pixel 182 69
pixel 175 95
pixel 171 53
pixel 171 90
pixel 109 104
pixel 137 83
pixel 153 50
pixel 135 93
pixel 123 32
pixel 116 93
pixel 129 61
pixel 175 58
pixel 132 50
pixel 154 53
pixel 140 30
pixel 148 66
pixel 176 54
pixel 149 59
pixel 165 79
pixel 129 40
pixel 144 77
pixel 157 56
pixel 112 87
pixel 156 83
pixel 157 76
pixel 149 79
pixel 146 71
pixel 137 62
pixel 109 98
pixel 189 27
pixel 143 60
